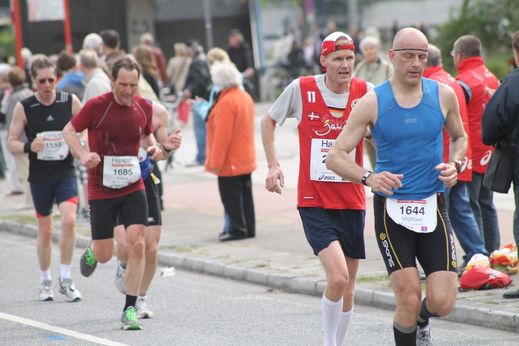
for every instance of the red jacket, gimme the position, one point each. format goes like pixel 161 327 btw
pixel 230 146
pixel 482 84
pixel 437 73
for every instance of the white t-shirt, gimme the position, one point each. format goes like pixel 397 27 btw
pixel 290 105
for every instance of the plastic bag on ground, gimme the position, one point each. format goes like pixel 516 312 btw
pixel 505 259
pixel 481 278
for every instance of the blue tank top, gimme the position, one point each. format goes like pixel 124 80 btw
pixel 409 140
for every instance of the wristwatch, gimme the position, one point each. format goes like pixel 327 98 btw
pixel 365 177
pixel 458 164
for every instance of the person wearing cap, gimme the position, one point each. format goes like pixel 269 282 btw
pixel 406 115
pixel 332 209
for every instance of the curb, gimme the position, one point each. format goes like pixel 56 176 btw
pixel 383 300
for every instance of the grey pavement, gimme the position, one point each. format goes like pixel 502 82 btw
pixel 279 255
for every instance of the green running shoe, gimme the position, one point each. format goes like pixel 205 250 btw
pixel 88 262
pixel 129 320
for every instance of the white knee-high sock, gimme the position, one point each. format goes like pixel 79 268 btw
pixel 331 314
pixel 64 271
pixel 344 321
pixel 45 275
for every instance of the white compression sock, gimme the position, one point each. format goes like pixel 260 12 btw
pixel 344 321
pixel 331 313
pixel 64 271
pixel 45 275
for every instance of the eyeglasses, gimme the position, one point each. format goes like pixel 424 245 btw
pixel 49 80
pixel 404 49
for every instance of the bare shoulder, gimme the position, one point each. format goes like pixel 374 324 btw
pixel 76 104
pixel 448 96
pixel 160 114
pixel 446 92
pixel 18 109
pixel 366 107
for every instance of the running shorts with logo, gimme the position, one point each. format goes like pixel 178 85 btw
pixel 323 226
pixel 130 210
pixel 44 194
pixel 400 246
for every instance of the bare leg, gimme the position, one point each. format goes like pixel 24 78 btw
pixel 67 240
pixel 43 243
pixel 121 249
pixel 135 267
pixel 152 237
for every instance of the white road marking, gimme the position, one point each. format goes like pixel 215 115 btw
pixel 59 330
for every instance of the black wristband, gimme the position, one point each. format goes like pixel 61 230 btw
pixel 458 164
pixel 26 147
pixel 365 177
pixel 163 148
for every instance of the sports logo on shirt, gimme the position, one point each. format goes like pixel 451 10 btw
pixel 50 118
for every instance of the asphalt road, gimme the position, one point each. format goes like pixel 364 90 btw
pixel 191 309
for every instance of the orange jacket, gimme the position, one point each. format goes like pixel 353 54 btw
pixel 230 146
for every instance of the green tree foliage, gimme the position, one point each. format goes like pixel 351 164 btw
pixel 7 44
pixel 493 21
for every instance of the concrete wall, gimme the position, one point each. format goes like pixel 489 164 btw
pixel 140 19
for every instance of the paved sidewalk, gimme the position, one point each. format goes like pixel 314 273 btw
pixel 279 255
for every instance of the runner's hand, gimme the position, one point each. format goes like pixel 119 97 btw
pixel 275 180
pixel 448 174
pixel 37 145
pixel 385 182
pixel 89 159
pixel 174 140
pixel 154 152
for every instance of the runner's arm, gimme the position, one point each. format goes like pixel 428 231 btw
pixel 453 124
pixel 150 143
pixel 275 179
pixel 459 140
pixel 87 158
pixel 14 144
pixel 76 105
pixel 169 142
pixel 338 158
pixel 363 115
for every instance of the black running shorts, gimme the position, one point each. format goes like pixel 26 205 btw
pixel 400 247
pixel 131 209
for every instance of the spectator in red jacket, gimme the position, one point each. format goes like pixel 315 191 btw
pixel 479 84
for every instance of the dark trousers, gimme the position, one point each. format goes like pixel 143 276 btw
pixel 236 196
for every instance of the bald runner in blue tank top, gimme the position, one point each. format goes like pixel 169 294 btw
pixel 400 133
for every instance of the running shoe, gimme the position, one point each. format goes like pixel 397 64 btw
pixel 129 320
pixel 423 336
pixel 46 293
pixel 142 308
pixel 67 288
pixel 119 278
pixel 88 262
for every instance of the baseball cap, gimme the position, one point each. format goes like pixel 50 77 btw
pixel 329 44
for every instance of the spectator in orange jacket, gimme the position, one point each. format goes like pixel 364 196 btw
pixel 230 150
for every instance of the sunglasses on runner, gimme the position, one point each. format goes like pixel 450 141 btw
pixel 43 80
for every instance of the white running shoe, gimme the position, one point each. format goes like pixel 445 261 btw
pixel 142 308
pixel 119 278
pixel 67 288
pixel 423 336
pixel 46 293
